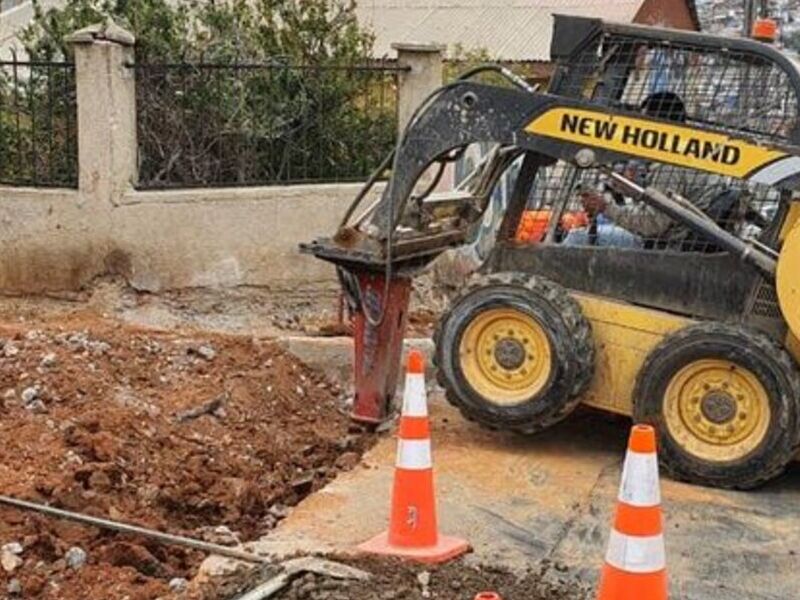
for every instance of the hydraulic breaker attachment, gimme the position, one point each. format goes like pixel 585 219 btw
pixel 378 344
pixel 378 253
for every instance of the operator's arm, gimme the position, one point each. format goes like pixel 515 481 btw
pixel 639 218
pixel 646 221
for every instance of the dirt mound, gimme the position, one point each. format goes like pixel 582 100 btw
pixel 203 435
pixel 395 580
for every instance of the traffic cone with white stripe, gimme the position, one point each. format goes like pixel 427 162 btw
pixel 635 566
pixel 413 530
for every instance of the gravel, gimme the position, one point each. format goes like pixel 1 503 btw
pixel 178 584
pixel 75 557
pixel 206 352
pixel 30 394
pixel 49 361
pixel 9 557
pixel 14 587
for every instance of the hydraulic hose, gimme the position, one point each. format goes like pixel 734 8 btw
pixel 392 159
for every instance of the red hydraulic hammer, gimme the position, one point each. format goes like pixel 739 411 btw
pixel 378 345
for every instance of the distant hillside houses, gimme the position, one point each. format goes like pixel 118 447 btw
pixel 725 17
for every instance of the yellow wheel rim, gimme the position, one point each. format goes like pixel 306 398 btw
pixel 505 356
pixel 716 410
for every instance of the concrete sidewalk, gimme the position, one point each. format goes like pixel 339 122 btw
pixel 520 501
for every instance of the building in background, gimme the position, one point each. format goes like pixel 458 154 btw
pixel 507 30
pixel 15 15
pixel 725 17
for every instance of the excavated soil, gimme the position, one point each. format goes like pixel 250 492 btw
pixel 394 580
pixel 210 436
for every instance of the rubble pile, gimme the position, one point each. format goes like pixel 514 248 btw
pixel 396 580
pixel 209 436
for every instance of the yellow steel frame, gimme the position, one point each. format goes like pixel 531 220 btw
pixel 624 335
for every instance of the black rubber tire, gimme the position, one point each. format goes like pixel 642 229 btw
pixel 571 344
pixel 769 362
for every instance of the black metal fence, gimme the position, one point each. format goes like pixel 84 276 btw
pixel 207 124
pixel 38 124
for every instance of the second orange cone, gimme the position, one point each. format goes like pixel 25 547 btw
pixel 635 565
pixel 413 528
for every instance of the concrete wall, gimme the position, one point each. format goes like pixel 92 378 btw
pixel 56 240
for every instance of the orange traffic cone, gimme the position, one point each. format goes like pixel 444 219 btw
pixel 635 566
pixel 413 530
pixel 488 596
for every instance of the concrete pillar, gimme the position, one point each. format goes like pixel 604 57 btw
pixel 106 96
pixel 425 73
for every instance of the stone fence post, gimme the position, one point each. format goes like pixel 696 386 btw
pixel 425 73
pixel 106 96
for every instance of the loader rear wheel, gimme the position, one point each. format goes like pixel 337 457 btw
pixel 726 403
pixel 514 352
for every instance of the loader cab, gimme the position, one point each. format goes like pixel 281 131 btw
pixel 743 87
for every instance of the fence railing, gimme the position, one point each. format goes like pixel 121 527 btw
pixel 252 124
pixel 38 124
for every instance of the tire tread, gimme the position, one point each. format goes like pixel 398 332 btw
pixel 580 335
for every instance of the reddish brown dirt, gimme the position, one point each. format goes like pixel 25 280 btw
pixel 394 580
pixel 152 428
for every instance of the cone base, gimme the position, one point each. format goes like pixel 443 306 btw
pixel 447 548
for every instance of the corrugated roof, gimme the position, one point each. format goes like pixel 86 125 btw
pixel 512 30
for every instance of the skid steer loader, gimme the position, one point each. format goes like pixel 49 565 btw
pixel 678 305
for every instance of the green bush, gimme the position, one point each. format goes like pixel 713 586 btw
pixel 216 125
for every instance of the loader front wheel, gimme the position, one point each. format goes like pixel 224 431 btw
pixel 725 401
pixel 514 352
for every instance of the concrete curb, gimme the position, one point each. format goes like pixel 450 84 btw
pixel 333 356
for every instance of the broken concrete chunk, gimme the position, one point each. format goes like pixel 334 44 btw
pixel 75 557
pixel 13 548
pixel 10 561
pixel 14 587
pixel 30 394
pixel 320 566
pixel 206 352
pixel 424 578
pixel 49 361
pixel 178 584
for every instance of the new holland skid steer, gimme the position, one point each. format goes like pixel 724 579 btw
pixel 678 304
